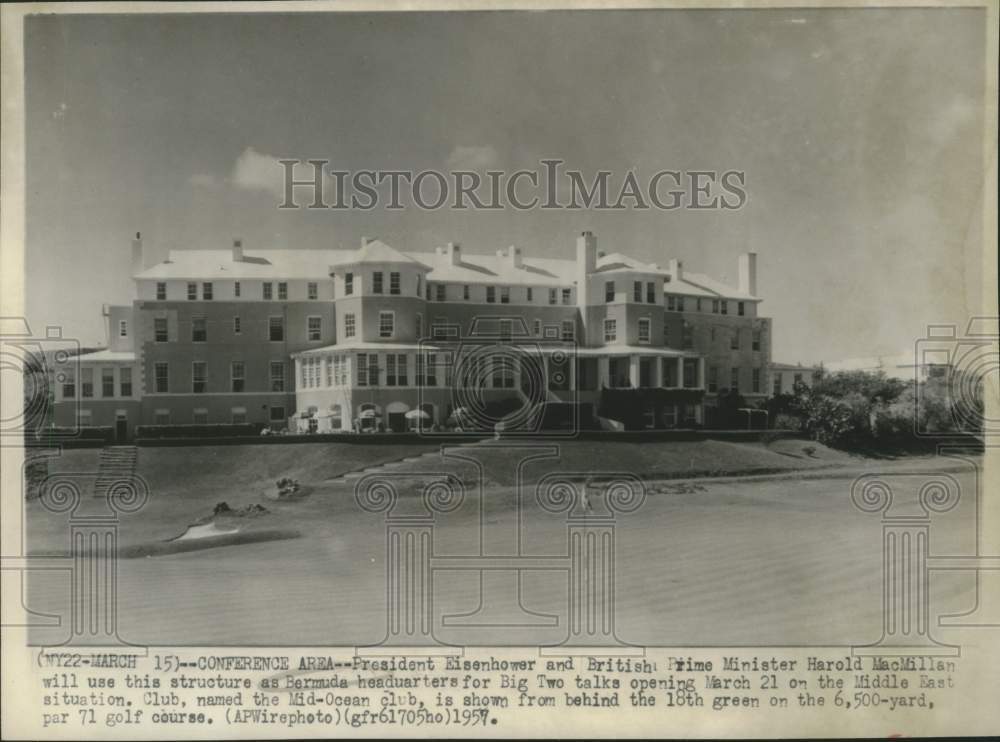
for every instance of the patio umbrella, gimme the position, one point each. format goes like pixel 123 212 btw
pixel 366 413
pixel 417 415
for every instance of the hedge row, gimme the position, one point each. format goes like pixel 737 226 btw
pixel 219 430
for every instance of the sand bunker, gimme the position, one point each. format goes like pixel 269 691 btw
pixel 204 530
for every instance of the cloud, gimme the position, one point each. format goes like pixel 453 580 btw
pixel 255 171
pixel 203 180
pixel 465 157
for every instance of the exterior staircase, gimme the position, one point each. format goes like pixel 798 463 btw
pixel 117 463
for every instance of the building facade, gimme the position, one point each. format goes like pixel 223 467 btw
pixel 376 338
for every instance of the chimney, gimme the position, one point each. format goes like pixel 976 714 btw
pixel 138 255
pixel 748 273
pixel 676 269
pixel 237 251
pixel 514 253
pixel 454 253
pixel 586 252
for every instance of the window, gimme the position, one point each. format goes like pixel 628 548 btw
pixel 734 379
pixel 277 376
pixel 386 324
pixel 715 306
pixel 797 378
pixel 348 284
pixel 329 370
pixel 312 290
pixel 199 330
pixel 282 291
pixel 687 337
pixel 236 325
pixel 505 294
pixel 552 296
pixel 755 381
pixel 419 326
pixel 529 295
pixel 107 382
pixel 776 387
pixel 238 415
pixel 506 329
pixel 401 370
pixel 69 384
pixel 87 382
pixel 199 416
pixel 680 303
pixel 161 291
pixel 268 289
pixel 431 370
pixel 162 375
pixel 237 372
pixel 755 340
pixel 372 369
pixel 349 326
pixel 206 291
pixel 568 329
pixel 362 369
pixel 740 308
pixel 236 289
pixel 198 380
pixel 125 381
pixel 377 282
pixel 644 330
pixel 465 292
pixel 567 295
pixel 503 373
pixel 724 306
pixel 697 305
pixel 314 328
pixel 637 292
pixel 418 372
pixel 122 328
pixel 734 340
pixel 439 288
pixel 666 332
pixel 390 369
pixel 538 328
pixel 277 414
pixel 428 291
pixel 609 291
pixel 713 379
pixel 491 294
pixel 276 329
pixel 192 291
pixel 610 330
pixel 394 283
pixel 651 292
pixel 161 417
pixel 690 373
pixel 671 302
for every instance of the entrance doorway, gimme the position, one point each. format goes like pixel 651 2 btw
pixel 121 428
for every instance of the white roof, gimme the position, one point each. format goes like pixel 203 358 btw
pixel 263 264
pixel 108 356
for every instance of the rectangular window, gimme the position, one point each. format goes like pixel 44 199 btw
pixel 162 375
pixel 427 291
pixel 697 305
pixel 199 416
pixel 713 379
pixel 797 378
pixel 237 372
pixel 609 291
pixel 552 296
pixel 418 371
pixel 161 417
pixel 125 381
pixel 277 414
pixel 329 370
pixel 418 326
pixel 268 290
pixel 529 294
pixel 776 385
pixel 644 330
pixel 107 382
pixel 236 289
pixel 277 376
pixel 715 306
pixel 755 381
pixel 431 371
pixel 87 382
pixel 238 415
pixel 666 332
pixel 671 302
pixel 465 292
pixel 568 329
pixel 680 303
pixel 69 385
pixel 505 294
pixel 312 290
pixel 734 379
pixel 538 328
pixel 206 291
pixel 637 292
pixel 192 291
pixel 276 329
pixel 236 325
pixel 161 291
pixel 394 283
pixel 348 284
pixel 122 328
pixel 199 373
pixel 687 337
pixel 610 330
pixel 491 294
pixel 401 370
pixel 651 292
pixel 567 296
pixel 362 369
pixel 439 288
pixel 506 329
pixel 734 340
pixel 724 306
pixel 314 328
pixel 377 282
pixel 282 291
pixel 386 324
pixel 690 373
pixel 349 326
pixel 755 340
pixel 740 308
pixel 373 369
pixel 390 369
pixel 199 329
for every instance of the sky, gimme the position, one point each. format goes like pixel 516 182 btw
pixel 860 132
